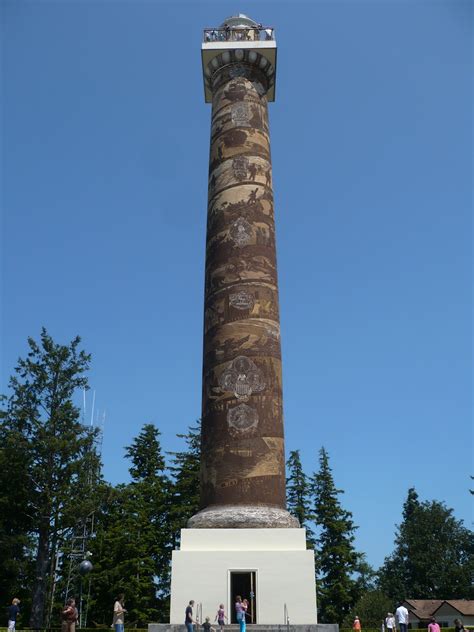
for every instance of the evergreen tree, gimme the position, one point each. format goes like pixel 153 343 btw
pixel 130 551
pixel 16 519
pixel 114 554
pixel 336 559
pixel 150 491
pixel 298 495
pixel 433 556
pixel 184 497
pixel 41 424
pixel 365 577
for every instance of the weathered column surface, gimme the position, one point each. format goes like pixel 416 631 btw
pixel 243 460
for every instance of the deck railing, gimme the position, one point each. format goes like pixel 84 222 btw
pixel 239 34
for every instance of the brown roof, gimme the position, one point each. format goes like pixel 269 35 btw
pixel 464 606
pixel 423 608
pixel 426 608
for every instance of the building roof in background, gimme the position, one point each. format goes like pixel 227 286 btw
pixel 426 608
pixel 423 608
pixel 463 606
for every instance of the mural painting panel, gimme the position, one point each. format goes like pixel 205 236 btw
pixel 242 423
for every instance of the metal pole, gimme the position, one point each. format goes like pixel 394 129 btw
pixel 252 599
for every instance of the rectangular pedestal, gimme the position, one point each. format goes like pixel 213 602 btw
pixel 212 563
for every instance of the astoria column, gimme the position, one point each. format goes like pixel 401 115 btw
pixel 243 457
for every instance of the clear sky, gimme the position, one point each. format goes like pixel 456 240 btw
pixel 105 151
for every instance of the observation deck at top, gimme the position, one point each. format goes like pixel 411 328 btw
pixel 239 41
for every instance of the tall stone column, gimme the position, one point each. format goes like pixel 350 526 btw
pixel 243 458
pixel 242 541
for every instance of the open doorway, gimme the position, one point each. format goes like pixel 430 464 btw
pixel 244 583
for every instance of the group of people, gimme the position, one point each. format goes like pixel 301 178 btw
pixel 433 626
pixel 391 622
pixel 399 621
pixel 70 614
pixel 241 612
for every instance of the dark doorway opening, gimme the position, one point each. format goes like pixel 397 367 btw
pixel 244 583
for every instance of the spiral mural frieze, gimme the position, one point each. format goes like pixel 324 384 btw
pixel 242 418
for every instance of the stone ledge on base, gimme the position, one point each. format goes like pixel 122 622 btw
pixel 243 517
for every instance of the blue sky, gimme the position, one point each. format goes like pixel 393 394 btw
pixel 104 168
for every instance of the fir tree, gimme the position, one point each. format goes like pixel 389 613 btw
pixel 16 519
pixel 336 559
pixel 150 487
pixel 365 577
pixel 184 494
pixel 433 556
pixel 298 495
pixel 114 553
pixel 41 424
pixel 130 553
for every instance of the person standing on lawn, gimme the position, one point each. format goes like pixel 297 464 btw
pixel 390 624
pixel 69 616
pixel 433 626
pixel 119 613
pixel 401 615
pixel 13 612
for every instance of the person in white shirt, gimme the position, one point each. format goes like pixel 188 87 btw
pixel 390 624
pixel 401 615
pixel 119 613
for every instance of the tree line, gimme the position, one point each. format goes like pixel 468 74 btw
pixel 56 510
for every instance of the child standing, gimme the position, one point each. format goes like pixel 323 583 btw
pixel 13 612
pixel 206 626
pixel 221 617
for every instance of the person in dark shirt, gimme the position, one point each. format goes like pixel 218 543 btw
pixel 207 627
pixel 188 617
pixel 13 612
pixel 458 626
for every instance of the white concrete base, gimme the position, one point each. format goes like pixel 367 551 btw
pixel 201 570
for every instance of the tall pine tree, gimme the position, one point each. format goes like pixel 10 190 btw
pixel 336 559
pixel 130 550
pixel 298 495
pixel 184 494
pixel 16 518
pixel 40 424
pixel 151 485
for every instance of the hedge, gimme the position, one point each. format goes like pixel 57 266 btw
pixel 409 629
